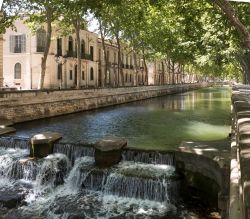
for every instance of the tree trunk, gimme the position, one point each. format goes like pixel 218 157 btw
pixel 163 73
pixel 178 73
pixel 120 70
pixel 78 45
pixel 233 17
pixel 169 70
pixel 104 80
pixel 245 64
pixel 135 68
pixel 173 72
pixel 145 65
pixel 49 14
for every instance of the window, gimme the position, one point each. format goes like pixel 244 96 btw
pixel 70 44
pixel 91 74
pixel 40 40
pixel 82 48
pixel 18 43
pixel 59 71
pixel 100 54
pixel 83 77
pixel 126 78
pixel 18 71
pixel 130 78
pixel 108 56
pixel 92 53
pixel 70 75
pixel 59 46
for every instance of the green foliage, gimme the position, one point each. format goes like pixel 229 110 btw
pixel 190 32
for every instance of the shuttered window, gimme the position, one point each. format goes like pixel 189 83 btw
pixel 40 40
pixel 18 71
pixel 18 43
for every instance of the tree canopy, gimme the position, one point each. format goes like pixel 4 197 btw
pixel 212 36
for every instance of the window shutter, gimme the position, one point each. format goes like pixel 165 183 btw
pixel 23 43
pixel 12 43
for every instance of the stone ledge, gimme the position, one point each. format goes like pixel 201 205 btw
pixel 110 144
pixel 7 130
pixel 45 138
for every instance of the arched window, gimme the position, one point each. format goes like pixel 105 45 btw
pixel 91 74
pixel 70 44
pixel 40 40
pixel 18 71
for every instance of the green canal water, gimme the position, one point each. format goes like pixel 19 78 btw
pixel 160 123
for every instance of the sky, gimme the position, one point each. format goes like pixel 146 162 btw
pixel 1 2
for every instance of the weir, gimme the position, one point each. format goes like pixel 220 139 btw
pixel 152 182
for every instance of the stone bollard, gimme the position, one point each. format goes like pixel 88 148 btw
pixel 108 151
pixel 42 144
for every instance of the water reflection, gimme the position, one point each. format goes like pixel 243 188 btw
pixel 158 123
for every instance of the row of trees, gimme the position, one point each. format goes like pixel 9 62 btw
pixel 209 36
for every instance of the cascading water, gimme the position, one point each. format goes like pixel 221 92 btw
pixel 149 157
pixel 56 189
pixel 20 143
pixel 73 151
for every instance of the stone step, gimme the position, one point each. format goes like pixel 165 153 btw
pixel 7 130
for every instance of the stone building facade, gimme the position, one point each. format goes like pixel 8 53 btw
pixel 129 74
pixel 23 51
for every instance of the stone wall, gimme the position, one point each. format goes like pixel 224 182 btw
pixel 205 166
pixel 240 154
pixel 20 106
pixel 1 60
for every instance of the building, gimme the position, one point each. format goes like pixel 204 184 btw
pixel 23 51
pixel 131 71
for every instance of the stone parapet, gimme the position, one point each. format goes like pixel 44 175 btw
pixel 205 166
pixel 240 154
pixel 1 60
pixel 20 106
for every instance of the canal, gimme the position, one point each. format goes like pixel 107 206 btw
pixel 159 123
pixel 68 184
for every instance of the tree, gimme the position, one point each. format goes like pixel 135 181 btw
pixel 44 12
pixel 79 9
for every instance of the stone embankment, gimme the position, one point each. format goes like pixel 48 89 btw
pixel 240 154
pixel 20 106
pixel 205 166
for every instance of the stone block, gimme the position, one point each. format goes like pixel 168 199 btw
pixel 7 130
pixel 108 151
pixel 42 144
pixel 246 198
